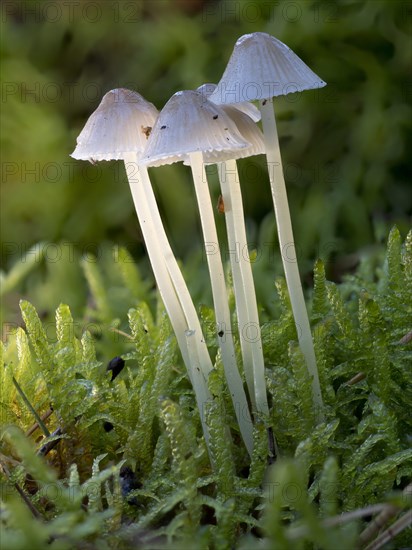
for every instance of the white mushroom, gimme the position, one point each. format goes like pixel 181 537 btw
pixel 245 295
pixel 260 68
pixel 119 129
pixel 189 127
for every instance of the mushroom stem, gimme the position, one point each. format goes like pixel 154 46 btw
pixel 220 298
pixel 139 185
pixel 245 294
pixel 176 276
pixel 287 249
pixel 198 353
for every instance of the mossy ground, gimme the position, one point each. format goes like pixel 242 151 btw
pixel 128 465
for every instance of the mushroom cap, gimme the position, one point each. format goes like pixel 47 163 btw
pixel 245 106
pixel 190 123
pixel 120 124
pixel 244 115
pixel 262 67
pixel 248 130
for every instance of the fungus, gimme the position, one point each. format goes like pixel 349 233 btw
pixel 191 133
pixel 260 68
pixel 113 131
pixel 245 294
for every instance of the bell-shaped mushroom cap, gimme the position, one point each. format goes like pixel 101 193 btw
pixel 245 106
pixel 262 67
pixel 120 124
pixel 244 115
pixel 248 130
pixel 189 123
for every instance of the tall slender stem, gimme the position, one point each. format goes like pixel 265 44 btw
pixel 165 285
pixel 220 298
pixel 287 249
pixel 248 318
pixel 176 276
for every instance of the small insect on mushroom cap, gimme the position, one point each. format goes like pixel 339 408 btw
pixel 146 130
pixel 220 205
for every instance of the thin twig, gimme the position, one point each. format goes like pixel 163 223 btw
pixel 23 495
pixel 375 525
pixel 357 378
pixel 406 339
pixel 297 532
pixel 391 532
pixel 356 514
pixel 121 332
pixel 388 513
pixel 35 426
pixel 31 409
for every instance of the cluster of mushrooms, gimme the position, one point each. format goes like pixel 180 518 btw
pixel 222 124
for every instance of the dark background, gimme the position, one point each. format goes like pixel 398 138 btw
pixel 345 148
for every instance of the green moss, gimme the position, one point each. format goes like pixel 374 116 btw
pixel 147 419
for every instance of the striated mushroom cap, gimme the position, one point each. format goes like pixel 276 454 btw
pixel 245 106
pixel 262 67
pixel 248 130
pixel 244 115
pixel 189 123
pixel 121 124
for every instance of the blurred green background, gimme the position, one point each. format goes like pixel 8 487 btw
pixel 345 147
